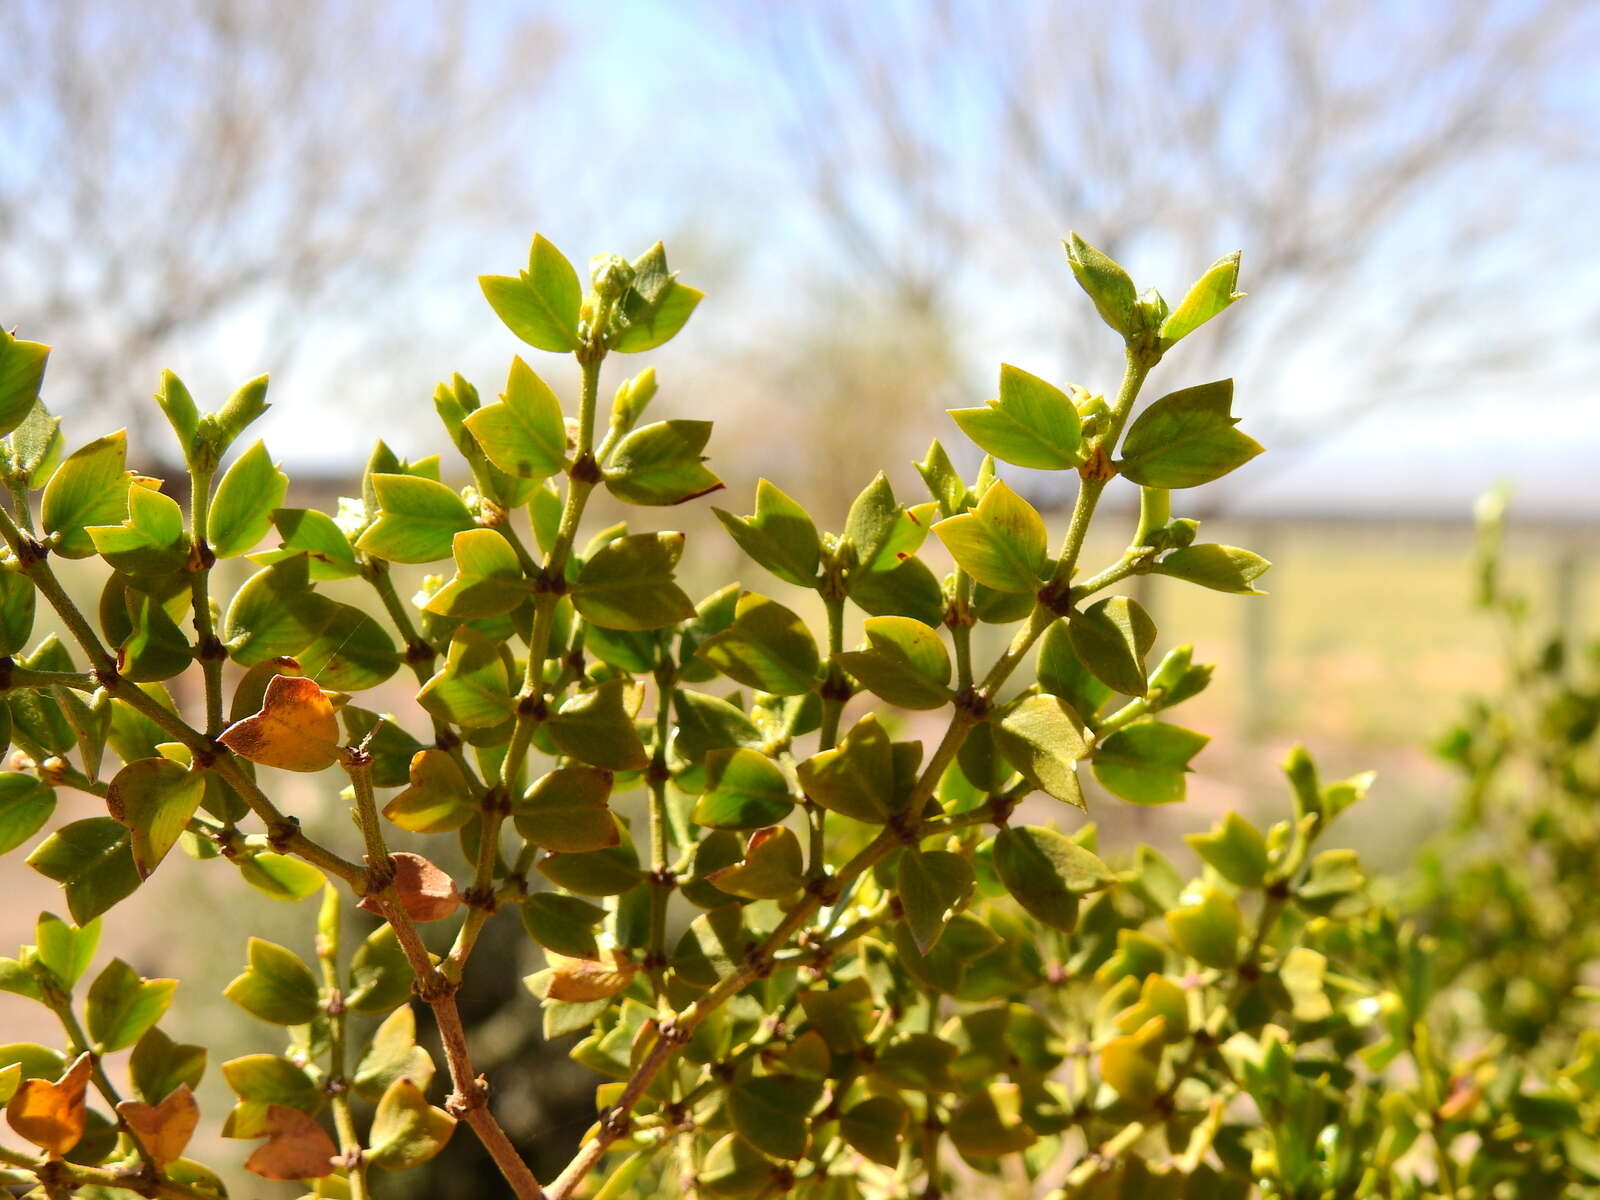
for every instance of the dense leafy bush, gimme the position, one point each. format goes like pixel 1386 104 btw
pixel 816 945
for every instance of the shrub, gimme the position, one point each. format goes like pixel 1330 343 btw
pixel 839 960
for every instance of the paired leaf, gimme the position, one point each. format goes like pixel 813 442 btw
pixel 154 798
pixel 1145 763
pixel 1046 872
pixel 1001 543
pixel 1031 424
pixel 1111 638
pixel 276 987
pixel 1186 438
pixel 662 464
pixel 780 535
pixel 628 583
pixel 295 730
pixel 539 305
pixel 768 647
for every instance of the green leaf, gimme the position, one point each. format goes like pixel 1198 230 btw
pixel 873 519
pixel 745 790
pixel 473 687
pixel 150 541
pixel 856 778
pixel 1061 673
pixel 276 987
pixel 1222 568
pixel 35 447
pixel 155 648
pixel 564 924
pixel 89 488
pixel 22 367
pixel 380 974
pixel 93 861
pixel 876 1127
pixel 1032 424
pixel 1043 739
pixel 154 798
pixel 274 614
pixel 180 409
pixel 566 810
pixel 1001 543
pixel 122 1006
pixel 265 1079
pixel 279 876
pixel 608 872
pixel 407 1131
pixel 1107 284
pixel 242 407
pixel 773 867
pixel 25 805
pixel 706 723
pixel 1186 438
pixel 1046 872
pixel 1210 295
pixel 1111 638
pixel 654 308
pixel 315 535
pixel 1208 928
pixel 628 584
pixel 241 511
pixel 988 1123
pixel 351 651
pixel 905 663
pixel 944 482
pixel 662 464
pixel 1145 763
pixel 932 886
pixel 418 520
pixel 908 589
pixel 541 304
pixel 16 609
pixel 523 434
pixel 393 1054
pixel 768 647
pixel 596 727
pixel 1131 1064
pixel 780 535
pixel 159 1066
pixel 438 798
pixel 488 581
pixel 734 1168
pixel 1235 849
pixel 66 950
pixel 770 1112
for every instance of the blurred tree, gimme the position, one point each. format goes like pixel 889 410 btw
pixel 185 173
pixel 1402 178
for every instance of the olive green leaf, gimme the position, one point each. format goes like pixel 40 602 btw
pixel 25 805
pixel 151 539
pixel 159 1066
pixel 1145 763
pixel 66 950
pixel 566 810
pixel 628 583
pixel 473 687
pixel 22 367
pixel 1031 424
pixel 655 306
pixel 875 1128
pixel 1111 638
pixel 745 790
pixel 438 798
pixel 407 1131
pixel 1107 284
pixel 89 488
pixel 305 531
pixel 874 517
pixel 539 305
pixel 856 778
pixel 770 1111
pixel 417 521
pixel 1131 1063
pixel 1061 673
pixel 1235 849
pixel 380 975
pixel 988 1123
pixel 154 798
pixel 944 482
pixel 1043 739
pixel 93 861
pixel 523 434
pixel 1046 872
pixel 768 647
pixel 661 464
pixel 932 886
pixel 1207 927
pixel 706 723
pixel 1001 543
pixel 734 1168
pixel 1211 294
pixel 279 876
pixel 241 511
pixel 393 1054
pixel 1221 568
pixel 596 727
pixel 1186 438
pixel 16 609
pixel 608 872
pixel 780 535
pixel 904 663
pixel 907 589
pixel 773 867
pixel 276 987
pixel 122 1006
pixel 488 581
pixel 564 924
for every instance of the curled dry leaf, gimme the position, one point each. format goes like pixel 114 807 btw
pixel 295 729
pixel 584 979
pixel 52 1115
pixel 163 1129
pixel 296 1148
pixel 426 892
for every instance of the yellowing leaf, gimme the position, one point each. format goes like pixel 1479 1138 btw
pixel 295 729
pixel 52 1115
pixel 163 1129
pixel 584 979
